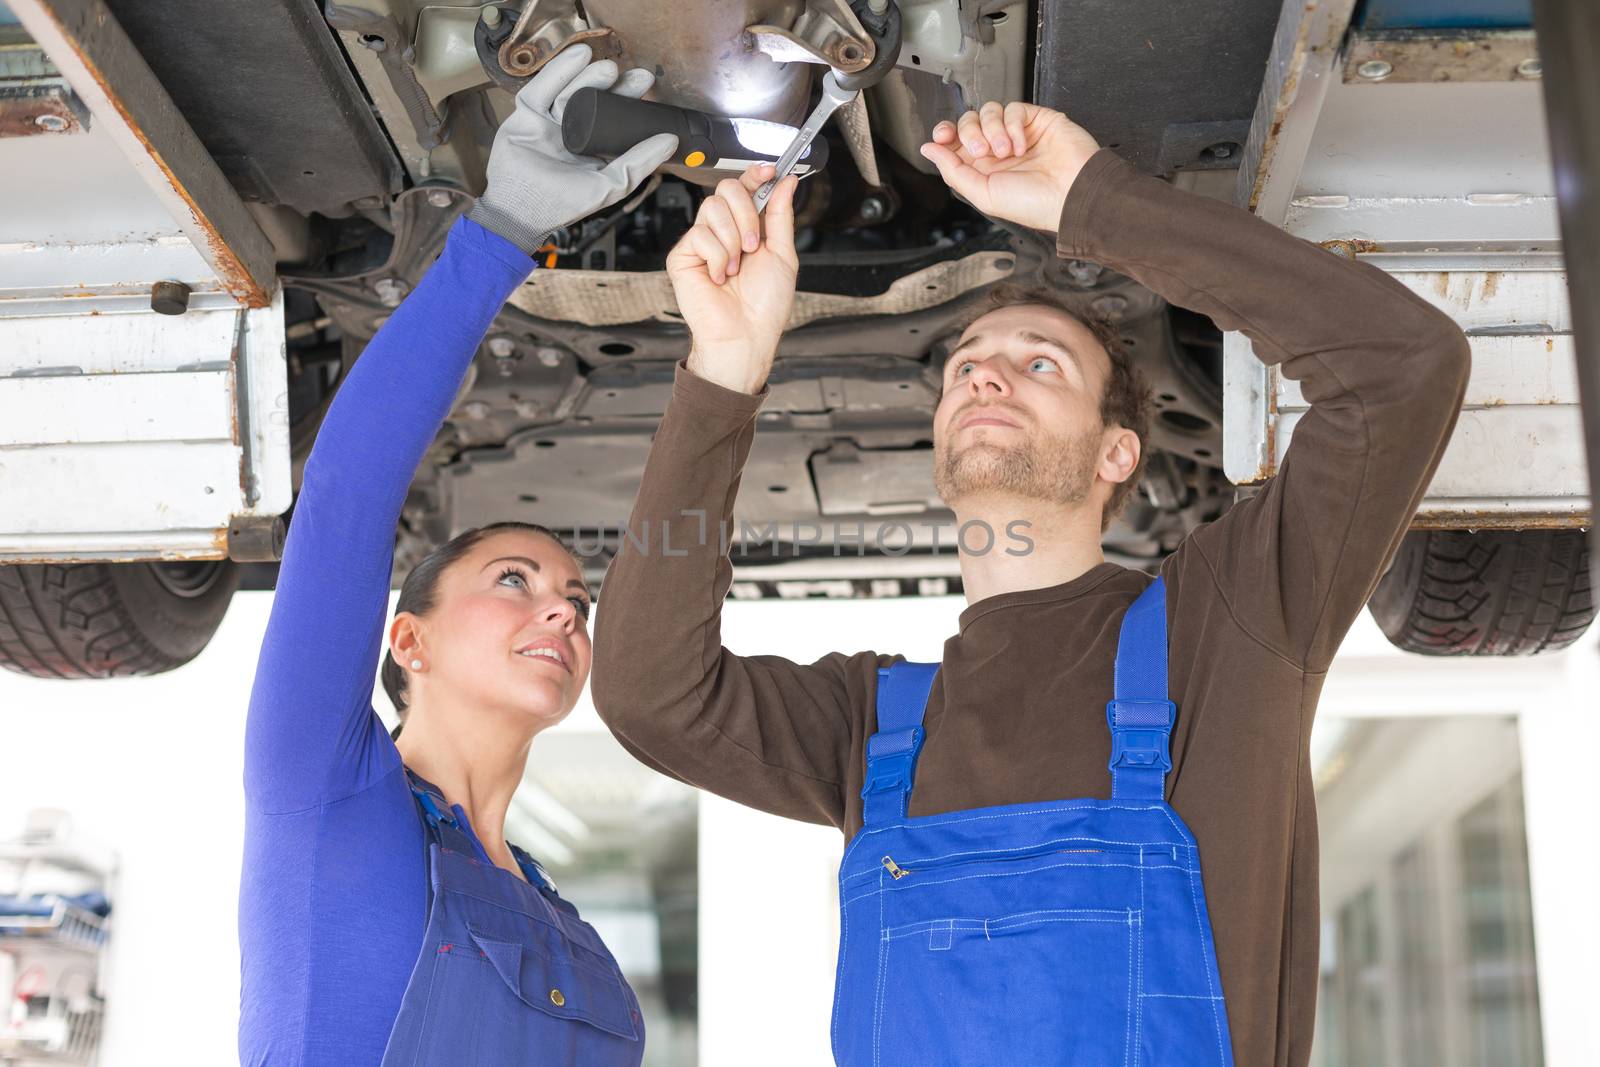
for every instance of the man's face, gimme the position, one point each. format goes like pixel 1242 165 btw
pixel 1020 413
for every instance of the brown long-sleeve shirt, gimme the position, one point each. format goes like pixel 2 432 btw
pixel 1258 601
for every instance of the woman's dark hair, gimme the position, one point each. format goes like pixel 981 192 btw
pixel 419 594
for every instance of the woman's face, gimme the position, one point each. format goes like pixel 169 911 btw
pixel 509 630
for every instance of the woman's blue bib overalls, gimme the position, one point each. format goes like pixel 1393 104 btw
pixel 508 972
pixel 1069 932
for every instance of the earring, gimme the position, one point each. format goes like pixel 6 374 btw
pixel 416 664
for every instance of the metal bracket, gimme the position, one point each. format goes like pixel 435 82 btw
pixel 1460 56
pixel 827 32
pixel 356 300
pixel 256 538
pixel 34 98
pixel 381 34
pixel 511 54
pixel 88 46
pixel 540 35
pixel 1445 183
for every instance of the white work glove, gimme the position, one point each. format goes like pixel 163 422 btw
pixel 535 185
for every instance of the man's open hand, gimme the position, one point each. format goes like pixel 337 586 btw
pixel 733 274
pixel 1012 161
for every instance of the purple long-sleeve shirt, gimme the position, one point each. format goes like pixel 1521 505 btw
pixel 333 898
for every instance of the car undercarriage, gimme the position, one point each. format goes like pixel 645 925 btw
pixel 355 132
pixel 555 420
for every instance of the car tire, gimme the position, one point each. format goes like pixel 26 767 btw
pixel 110 620
pixel 1486 592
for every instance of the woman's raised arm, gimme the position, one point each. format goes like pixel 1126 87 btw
pixel 311 736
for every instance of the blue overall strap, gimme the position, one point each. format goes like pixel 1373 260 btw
pixel 892 752
pixel 534 871
pixel 439 823
pixel 1140 715
pixel 442 828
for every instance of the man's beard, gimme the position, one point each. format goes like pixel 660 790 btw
pixel 1056 469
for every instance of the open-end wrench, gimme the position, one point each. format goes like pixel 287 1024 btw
pixel 833 98
pixel 881 20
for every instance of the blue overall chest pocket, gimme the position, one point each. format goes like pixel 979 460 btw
pixel 544 971
pixel 519 978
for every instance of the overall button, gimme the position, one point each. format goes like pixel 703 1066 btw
pixel 557 998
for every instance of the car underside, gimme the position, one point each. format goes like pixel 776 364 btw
pixel 357 131
pixel 555 421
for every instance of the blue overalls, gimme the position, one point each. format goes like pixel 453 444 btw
pixel 1066 932
pixel 508 973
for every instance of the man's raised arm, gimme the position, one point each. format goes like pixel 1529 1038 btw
pixel 760 730
pixel 1383 369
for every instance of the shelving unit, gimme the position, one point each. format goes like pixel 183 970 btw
pixel 55 924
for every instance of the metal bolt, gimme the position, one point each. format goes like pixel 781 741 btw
pixel 1220 151
pixel 169 298
pixel 502 347
pixel 50 123
pixel 1531 68
pixel 475 409
pixel 1375 70
pixel 439 198
pixel 390 291
pixel 874 209
pixel 844 52
pixel 1083 273
pixel 491 16
pixel 550 357
pixel 1110 306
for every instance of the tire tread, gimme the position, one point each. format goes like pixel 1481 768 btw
pixel 1487 592
pixel 70 620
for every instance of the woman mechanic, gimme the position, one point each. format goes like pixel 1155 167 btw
pixel 382 916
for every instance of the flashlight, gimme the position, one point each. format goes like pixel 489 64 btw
pixel 597 123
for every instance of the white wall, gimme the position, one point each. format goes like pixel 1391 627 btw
pixel 153 767
pixel 769 925
pixel 1555 701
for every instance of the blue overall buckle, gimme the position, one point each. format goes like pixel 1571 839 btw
pixel 890 759
pixel 431 806
pixel 1139 732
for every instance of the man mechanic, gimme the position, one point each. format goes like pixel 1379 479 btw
pixel 1019 901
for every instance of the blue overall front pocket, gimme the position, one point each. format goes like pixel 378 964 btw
pixel 967 982
pixel 1037 951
